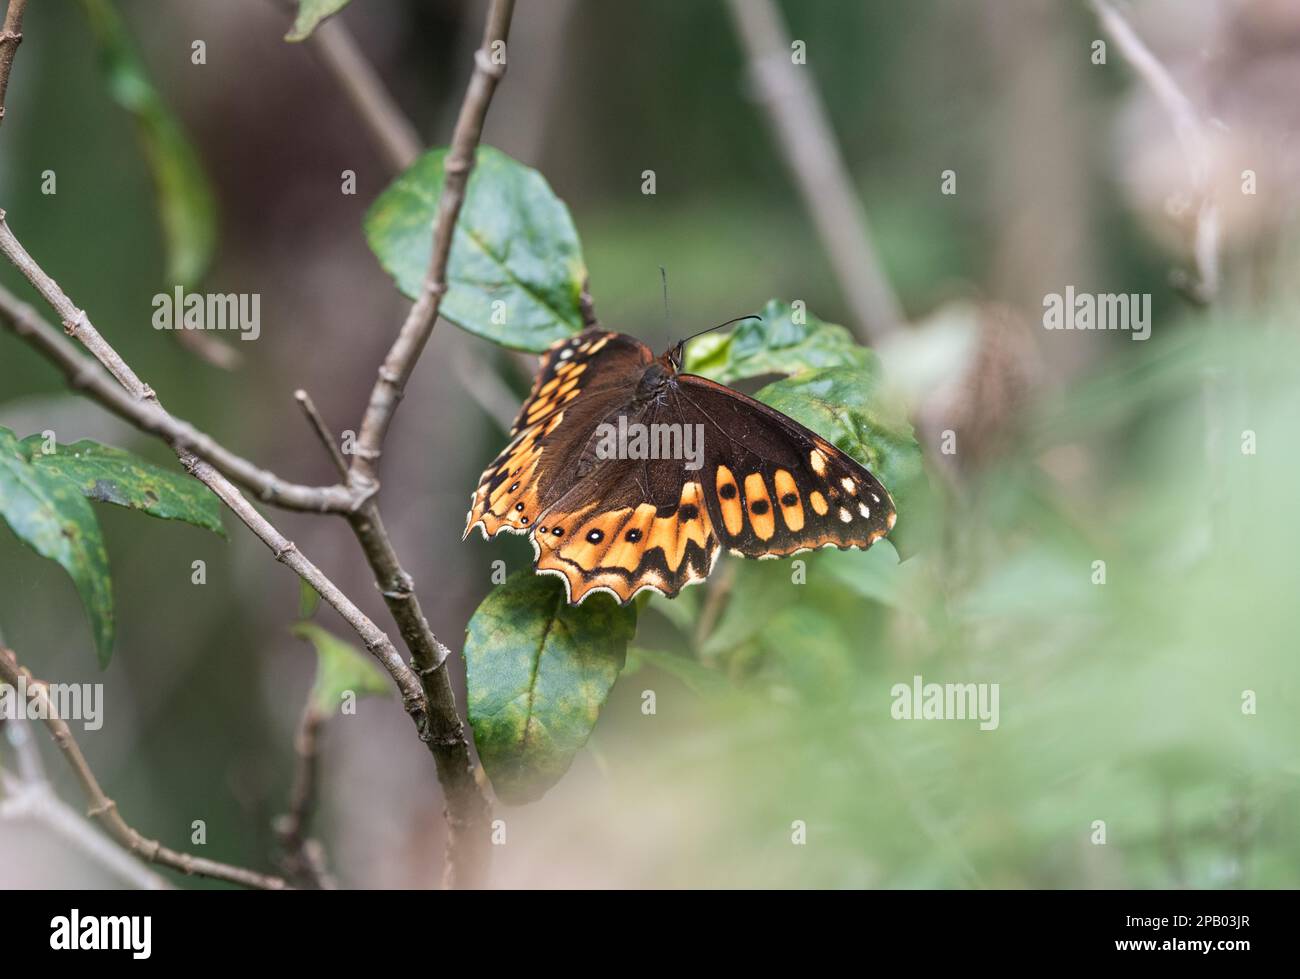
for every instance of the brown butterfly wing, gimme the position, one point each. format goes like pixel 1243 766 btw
pixel 773 487
pixel 579 382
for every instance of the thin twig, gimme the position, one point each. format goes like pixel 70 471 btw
pixel 37 802
pixel 11 35
pixel 303 859
pixel 487 389
pixel 1192 137
pixel 104 810
pixel 30 767
pixel 322 431
pixel 390 129
pixel 142 407
pixel 803 131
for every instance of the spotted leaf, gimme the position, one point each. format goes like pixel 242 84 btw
pixel 47 512
pixel 109 475
pixel 538 671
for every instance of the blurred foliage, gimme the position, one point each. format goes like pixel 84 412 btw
pixel 342 670
pixel 1127 701
pixel 310 15
pixel 185 200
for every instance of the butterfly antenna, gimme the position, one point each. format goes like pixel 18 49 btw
pixel 751 316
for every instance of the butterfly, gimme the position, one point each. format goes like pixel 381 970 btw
pixel 759 484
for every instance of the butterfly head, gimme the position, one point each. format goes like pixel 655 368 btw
pixel 674 357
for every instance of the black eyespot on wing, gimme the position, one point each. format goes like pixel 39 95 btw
pixel 632 536
pixel 759 507
pixel 689 512
pixel 596 536
pixel 728 491
pixel 790 499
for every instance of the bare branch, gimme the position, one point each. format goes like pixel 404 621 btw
pixel 322 431
pixel 467 807
pixel 804 134
pixel 104 810
pixel 396 370
pixel 31 797
pixel 489 392
pixel 1192 137
pixel 11 35
pixel 390 129
pixel 303 857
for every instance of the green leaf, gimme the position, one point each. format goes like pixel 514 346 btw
pixel 697 677
pixel 808 649
pixel 48 513
pixel 780 343
pixel 308 599
pixel 185 199
pixel 310 14
pixel 538 671
pixel 514 242
pixel 758 591
pixel 875 573
pixel 845 406
pixel 111 475
pixel 340 668
pixel 682 611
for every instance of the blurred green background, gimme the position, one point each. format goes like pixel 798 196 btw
pixel 1120 702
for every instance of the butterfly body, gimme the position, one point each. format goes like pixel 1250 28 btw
pixel 714 470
